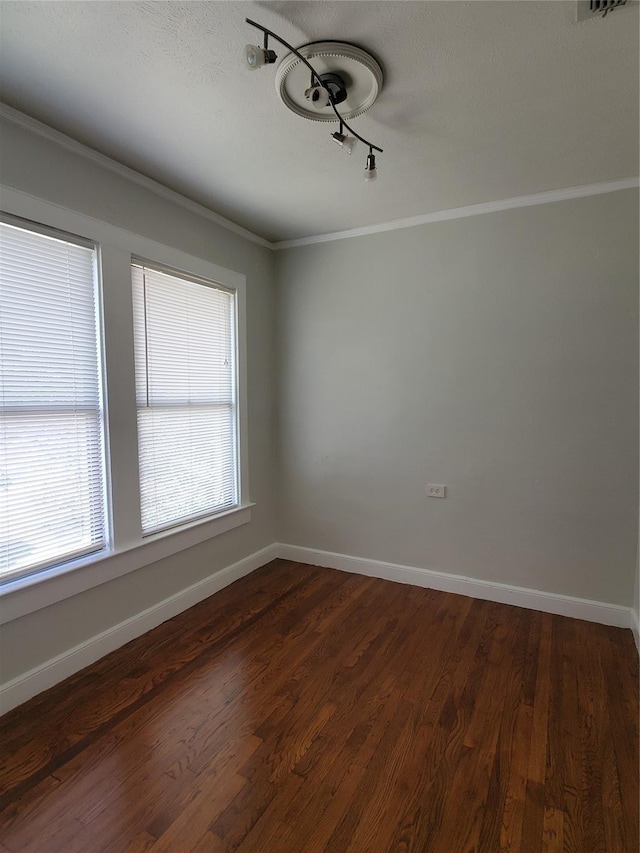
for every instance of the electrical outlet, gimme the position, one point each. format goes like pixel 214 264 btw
pixel 436 491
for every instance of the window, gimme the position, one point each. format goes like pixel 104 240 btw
pixel 52 503
pixel 122 420
pixel 184 332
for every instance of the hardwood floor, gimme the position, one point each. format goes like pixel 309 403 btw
pixel 308 710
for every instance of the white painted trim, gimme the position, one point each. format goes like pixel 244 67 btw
pixel 635 627
pixel 463 212
pixel 29 684
pixel 24 687
pixel 26 595
pixel 40 129
pixel 532 599
pixel 44 212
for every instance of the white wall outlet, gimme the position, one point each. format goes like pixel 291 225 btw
pixel 436 491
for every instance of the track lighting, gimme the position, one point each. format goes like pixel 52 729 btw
pixel 354 83
pixel 370 171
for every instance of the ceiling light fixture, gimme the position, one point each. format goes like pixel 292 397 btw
pixel 345 75
pixel 370 171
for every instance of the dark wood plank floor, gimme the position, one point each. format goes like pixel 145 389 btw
pixel 309 710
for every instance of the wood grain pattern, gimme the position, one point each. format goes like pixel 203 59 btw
pixel 305 710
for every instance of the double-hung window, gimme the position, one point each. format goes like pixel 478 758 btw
pixel 185 364
pixel 52 484
pixel 92 478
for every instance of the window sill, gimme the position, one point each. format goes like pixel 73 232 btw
pixel 27 594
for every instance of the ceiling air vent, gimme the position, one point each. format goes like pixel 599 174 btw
pixel 597 8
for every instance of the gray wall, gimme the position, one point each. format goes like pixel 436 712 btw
pixel 636 587
pixel 43 169
pixel 496 354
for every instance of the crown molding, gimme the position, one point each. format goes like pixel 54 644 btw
pixel 40 129
pixel 471 210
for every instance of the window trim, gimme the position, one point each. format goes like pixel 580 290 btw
pixel 127 550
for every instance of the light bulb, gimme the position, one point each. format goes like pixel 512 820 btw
pixel 370 171
pixel 256 56
pixel 348 144
pixel 318 96
pixel 345 142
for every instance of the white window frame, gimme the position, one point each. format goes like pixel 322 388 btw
pixel 57 234
pixel 146 264
pixel 128 550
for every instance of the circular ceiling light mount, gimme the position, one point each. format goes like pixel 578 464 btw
pixel 357 70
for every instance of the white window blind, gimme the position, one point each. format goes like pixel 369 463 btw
pixel 52 505
pixel 186 395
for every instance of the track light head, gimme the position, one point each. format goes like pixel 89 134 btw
pixel 370 171
pixel 345 142
pixel 256 57
pixel 318 96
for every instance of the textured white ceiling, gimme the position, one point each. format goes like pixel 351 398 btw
pixel 482 101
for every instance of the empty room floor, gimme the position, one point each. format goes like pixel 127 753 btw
pixel 304 709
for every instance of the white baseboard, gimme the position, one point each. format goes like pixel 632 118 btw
pixel 24 687
pixel 17 691
pixel 547 602
pixel 635 627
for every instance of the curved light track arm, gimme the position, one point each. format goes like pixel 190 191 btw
pixel 316 79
